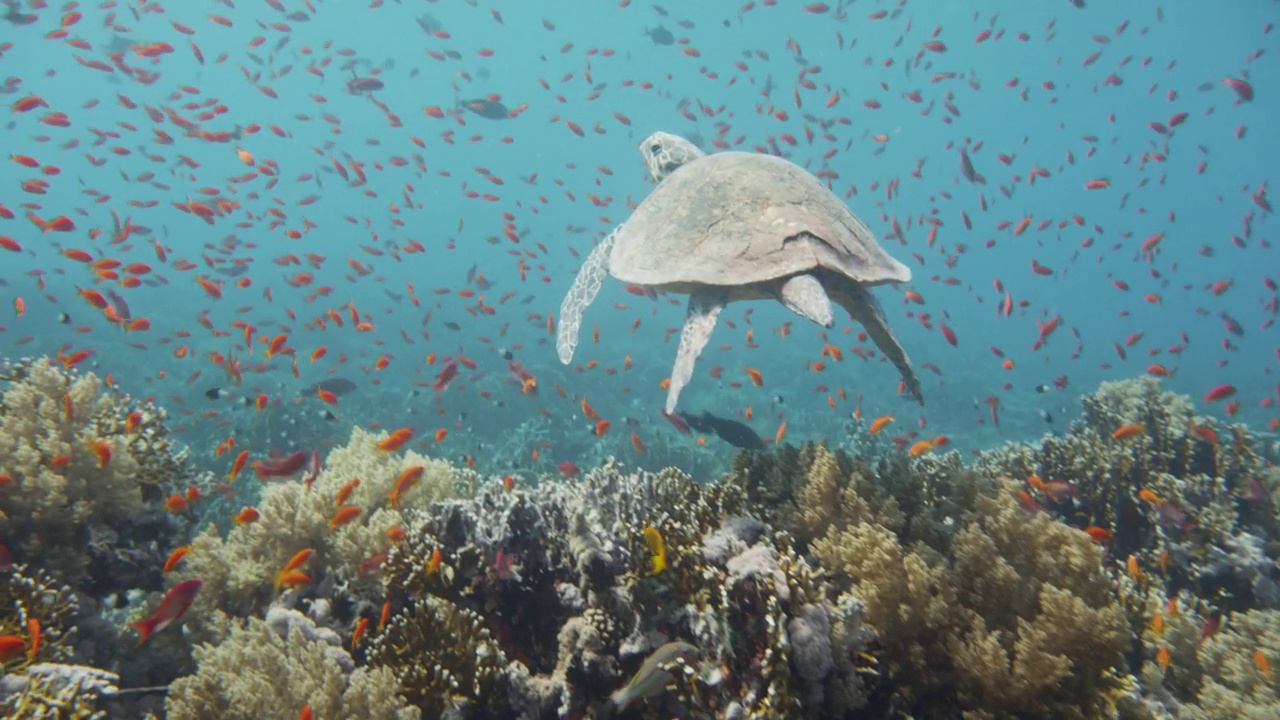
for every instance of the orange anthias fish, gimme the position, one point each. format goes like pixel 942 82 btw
pixel 404 483
pixel 172 607
pixel 246 516
pixel 880 424
pixel 397 440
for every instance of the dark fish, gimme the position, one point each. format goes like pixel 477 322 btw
pixel 15 14
pixel 298 16
pixel 337 386
pixel 357 85
pixel 487 108
pixel 660 36
pixel 218 393
pixel 64 318
pixel 429 24
pixel 730 431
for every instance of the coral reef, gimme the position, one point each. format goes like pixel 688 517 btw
pixel 563 575
pixel 975 603
pixel 83 474
pixel 804 583
pixel 1203 483
pixel 52 690
pixel 238 569
pixel 272 668
pixel 28 596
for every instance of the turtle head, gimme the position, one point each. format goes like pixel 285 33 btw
pixel 664 152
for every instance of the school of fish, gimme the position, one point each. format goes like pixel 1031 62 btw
pixel 192 171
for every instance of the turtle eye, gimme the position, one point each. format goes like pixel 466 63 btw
pixel 655 148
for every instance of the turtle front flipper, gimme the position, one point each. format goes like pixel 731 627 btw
pixel 705 304
pixel 862 305
pixel 584 289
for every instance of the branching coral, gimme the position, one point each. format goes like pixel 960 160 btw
pixel 444 658
pixel 28 596
pixel 51 690
pixel 271 669
pixel 238 570
pixel 564 577
pixel 74 467
pixel 1009 615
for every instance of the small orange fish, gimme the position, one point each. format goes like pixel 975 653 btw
pixel 344 515
pixel 176 503
pixel 602 428
pixel 433 564
pixel 10 647
pixel 36 639
pixel 60 461
pixel 396 440
pixel 637 443
pixel 1124 432
pixel 756 378
pixel 1098 534
pixel 1135 570
pixel 246 516
pixel 919 448
pixel 1147 496
pixel 327 396
pixel 345 492
pixel 396 534
pixel 1260 661
pixel 102 450
pixel 404 483
pixel 781 433
pixel 1157 624
pixel 359 631
pixel 238 465
pixel 441 434
pixel 880 424
pixel 175 557
pixel 294 563
pixel 1162 659
pixel 293 578
pixel 386 613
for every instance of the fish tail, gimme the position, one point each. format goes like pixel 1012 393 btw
pixel 144 628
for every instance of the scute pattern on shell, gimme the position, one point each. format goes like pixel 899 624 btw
pixel 737 218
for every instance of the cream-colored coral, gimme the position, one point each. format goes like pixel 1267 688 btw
pixel 45 510
pixel 238 570
pixel 1233 681
pixel 255 674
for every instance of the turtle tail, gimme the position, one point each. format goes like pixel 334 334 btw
pixel 581 293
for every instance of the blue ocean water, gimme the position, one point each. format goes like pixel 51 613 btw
pixel 507 208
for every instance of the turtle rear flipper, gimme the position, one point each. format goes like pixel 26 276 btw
pixel 585 287
pixel 862 305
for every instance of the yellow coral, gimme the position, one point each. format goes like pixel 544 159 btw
pixel 237 570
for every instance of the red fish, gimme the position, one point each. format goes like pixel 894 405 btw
pixel 282 467
pixel 446 376
pixel 172 607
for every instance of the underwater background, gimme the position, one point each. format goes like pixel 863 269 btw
pixel 284 434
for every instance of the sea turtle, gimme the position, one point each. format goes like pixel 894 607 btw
pixel 739 226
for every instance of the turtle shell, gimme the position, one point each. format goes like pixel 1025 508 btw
pixel 737 218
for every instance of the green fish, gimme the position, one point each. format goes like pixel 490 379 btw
pixel 652 677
